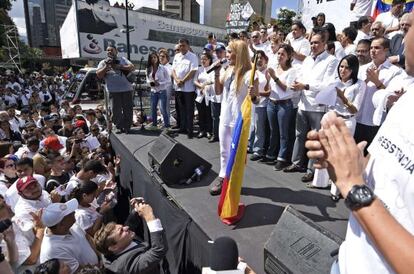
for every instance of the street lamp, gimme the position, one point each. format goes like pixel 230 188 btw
pixel 127 6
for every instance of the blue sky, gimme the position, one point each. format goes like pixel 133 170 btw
pixel 276 4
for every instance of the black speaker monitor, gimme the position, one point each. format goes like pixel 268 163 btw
pixel 298 245
pixel 173 161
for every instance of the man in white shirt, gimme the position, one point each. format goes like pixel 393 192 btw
pixel 318 70
pixel 299 43
pixel 364 27
pixel 185 65
pixel 65 240
pixel 362 52
pixel 255 43
pixel 382 226
pixel 377 75
pixel 384 99
pixel 390 19
pixel 377 30
pixel 361 8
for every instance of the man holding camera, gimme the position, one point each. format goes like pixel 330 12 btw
pixel 124 248
pixel 114 70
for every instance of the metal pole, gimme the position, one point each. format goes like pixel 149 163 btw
pixel 127 30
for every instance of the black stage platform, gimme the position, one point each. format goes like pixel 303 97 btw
pixel 265 193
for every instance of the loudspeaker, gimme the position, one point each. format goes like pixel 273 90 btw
pixel 173 161
pixel 298 245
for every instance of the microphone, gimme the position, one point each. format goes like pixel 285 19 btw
pixel 222 61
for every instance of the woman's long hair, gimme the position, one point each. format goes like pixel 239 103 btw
pixel 242 64
pixel 149 62
pixel 353 65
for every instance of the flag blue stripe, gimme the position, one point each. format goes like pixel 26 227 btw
pixel 236 139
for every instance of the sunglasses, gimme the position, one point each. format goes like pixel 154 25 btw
pixel 255 36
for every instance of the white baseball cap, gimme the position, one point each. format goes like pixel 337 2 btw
pixel 54 213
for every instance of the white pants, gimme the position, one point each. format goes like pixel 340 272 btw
pixel 321 177
pixel 225 136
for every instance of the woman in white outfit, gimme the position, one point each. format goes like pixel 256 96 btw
pixel 350 93
pixel 158 79
pixel 233 83
pixel 204 83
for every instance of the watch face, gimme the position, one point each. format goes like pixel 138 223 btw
pixel 359 196
pixel 363 195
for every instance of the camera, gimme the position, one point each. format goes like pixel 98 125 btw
pixel 111 61
pixel 5 224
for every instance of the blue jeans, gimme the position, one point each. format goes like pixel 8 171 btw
pixel 155 97
pixel 279 115
pixel 260 138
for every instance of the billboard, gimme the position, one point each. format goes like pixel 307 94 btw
pixel 99 25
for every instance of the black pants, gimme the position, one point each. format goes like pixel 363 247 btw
pixel 186 106
pixel 365 133
pixel 215 115
pixel 177 109
pixel 204 116
pixel 122 109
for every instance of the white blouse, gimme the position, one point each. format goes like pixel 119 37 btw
pixel 353 92
pixel 232 100
pixel 287 77
pixel 161 76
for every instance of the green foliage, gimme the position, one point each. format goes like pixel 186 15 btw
pixel 6 4
pixel 284 19
pixel 30 58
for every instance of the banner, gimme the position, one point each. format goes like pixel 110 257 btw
pixel 238 17
pixel 100 25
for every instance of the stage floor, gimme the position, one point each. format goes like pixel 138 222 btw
pixel 265 193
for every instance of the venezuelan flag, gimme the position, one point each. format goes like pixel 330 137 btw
pixel 229 209
pixel 385 5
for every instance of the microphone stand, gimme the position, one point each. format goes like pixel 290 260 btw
pixel 142 117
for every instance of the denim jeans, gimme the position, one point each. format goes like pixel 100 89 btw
pixel 260 130
pixel 279 115
pixel 155 97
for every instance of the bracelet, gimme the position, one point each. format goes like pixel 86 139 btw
pixel 276 79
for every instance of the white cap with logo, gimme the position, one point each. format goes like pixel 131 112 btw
pixel 54 213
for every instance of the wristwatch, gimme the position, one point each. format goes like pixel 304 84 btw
pixel 359 196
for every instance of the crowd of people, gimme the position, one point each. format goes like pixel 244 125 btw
pixel 58 176
pixel 360 69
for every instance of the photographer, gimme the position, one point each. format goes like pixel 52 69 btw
pixel 114 70
pixel 123 246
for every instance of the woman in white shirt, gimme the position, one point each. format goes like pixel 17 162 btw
pixel 164 60
pixel 158 79
pixel 204 82
pixel 260 113
pixel 350 93
pixel 280 107
pixel 234 85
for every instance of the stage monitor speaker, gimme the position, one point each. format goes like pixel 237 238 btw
pixel 173 161
pixel 298 245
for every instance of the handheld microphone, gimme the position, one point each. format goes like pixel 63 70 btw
pixel 222 61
